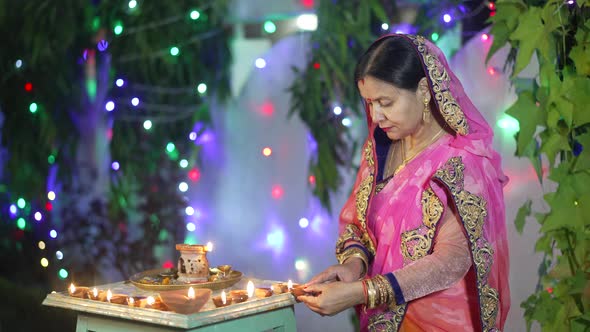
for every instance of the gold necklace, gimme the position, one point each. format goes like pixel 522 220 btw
pixel 406 160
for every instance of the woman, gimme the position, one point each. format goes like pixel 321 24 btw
pixel 422 243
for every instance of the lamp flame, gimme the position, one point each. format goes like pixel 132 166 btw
pixel 223 297
pixel 95 292
pixel 150 300
pixel 72 288
pixel 209 246
pixel 250 289
pixel 109 295
pixel 191 293
pixel 289 285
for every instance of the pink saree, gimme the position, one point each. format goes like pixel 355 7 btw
pixel 399 224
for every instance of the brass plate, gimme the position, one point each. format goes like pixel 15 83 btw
pixel 233 278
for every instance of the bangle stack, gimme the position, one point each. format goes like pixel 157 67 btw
pixel 378 291
pixel 354 252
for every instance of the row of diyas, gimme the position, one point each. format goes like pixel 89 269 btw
pixel 108 296
pixel 238 296
pixel 190 303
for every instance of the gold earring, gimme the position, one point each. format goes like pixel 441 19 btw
pixel 426 110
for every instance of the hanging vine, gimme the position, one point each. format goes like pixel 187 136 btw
pixel 554 134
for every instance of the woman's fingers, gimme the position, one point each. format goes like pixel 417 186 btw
pixel 312 302
pixel 327 275
pixel 313 289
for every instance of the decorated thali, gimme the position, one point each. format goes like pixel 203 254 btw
pixel 166 279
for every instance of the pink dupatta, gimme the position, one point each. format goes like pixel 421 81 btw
pixel 462 171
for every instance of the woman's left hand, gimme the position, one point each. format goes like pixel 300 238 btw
pixel 333 297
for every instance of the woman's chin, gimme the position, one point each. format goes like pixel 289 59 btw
pixel 392 135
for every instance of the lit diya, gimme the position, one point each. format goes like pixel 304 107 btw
pixel 96 295
pixel 262 292
pixel 116 298
pixel 186 302
pixel 222 300
pixel 79 292
pixel 238 295
pixel 281 287
pixel 151 302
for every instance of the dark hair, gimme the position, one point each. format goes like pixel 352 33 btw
pixel 391 59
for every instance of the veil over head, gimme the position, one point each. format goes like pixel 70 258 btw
pixel 461 170
pixel 472 131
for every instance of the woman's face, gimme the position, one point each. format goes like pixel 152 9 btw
pixel 398 112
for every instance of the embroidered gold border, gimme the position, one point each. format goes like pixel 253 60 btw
pixel 473 212
pixel 440 81
pixel 432 211
pixel 389 321
pixel 362 203
pixel 420 239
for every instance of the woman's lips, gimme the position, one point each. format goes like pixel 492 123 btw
pixel 386 129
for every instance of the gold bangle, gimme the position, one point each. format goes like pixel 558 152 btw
pixel 378 285
pixel 389 296
pixel 372 293
pixel 354 252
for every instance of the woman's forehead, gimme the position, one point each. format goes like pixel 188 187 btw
pixel 372 88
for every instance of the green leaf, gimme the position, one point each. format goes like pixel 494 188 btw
pixel 553 117
pixel 530 36
pixel 528 115
pixel 543 244
pixel 569 204
pixel 500 33
pixel 581 57
pixel 532 152
pixel 583 161
pixel 508 12
pixel 560 270
pixel 523 212
pixel 378 10
pixel 580 53
pixel 553 145
pixel 581 324
pixel 550 17
pixel 575 89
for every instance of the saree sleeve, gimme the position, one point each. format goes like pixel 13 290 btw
pixel 448 263
pixel 352 227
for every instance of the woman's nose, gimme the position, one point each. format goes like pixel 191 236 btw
pixel 376 115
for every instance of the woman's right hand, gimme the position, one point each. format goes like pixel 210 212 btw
pixel 350 271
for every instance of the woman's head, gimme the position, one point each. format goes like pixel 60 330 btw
pixel 391 80
pixel 393 60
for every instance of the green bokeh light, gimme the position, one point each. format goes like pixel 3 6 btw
pixel 170 147
pixel 270 27
pixel 96 23
pixel 21 223
pixel 508 124
pixel 147 125
pixel 195 15
pixel 118 29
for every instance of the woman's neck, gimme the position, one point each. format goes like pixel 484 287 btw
pixel 423 137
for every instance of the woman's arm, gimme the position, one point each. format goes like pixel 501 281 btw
pixel 448 263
